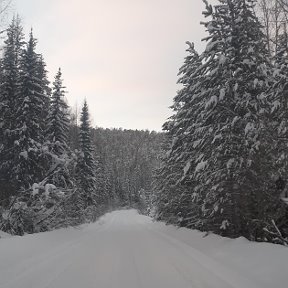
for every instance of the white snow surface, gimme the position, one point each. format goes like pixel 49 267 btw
pixel 200 166
pixel 125 249
pixel 4 235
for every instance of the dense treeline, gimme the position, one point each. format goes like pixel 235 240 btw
pixel 128 159
pixel 226 162
pixel 54 172
pixel 40 176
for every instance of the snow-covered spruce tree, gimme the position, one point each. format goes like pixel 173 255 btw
pixel 42 75
pixel 86 166
pixel 260 207
pixel 9 91
pixel 279 122
pixel 173 199
pixel 29 161
pixel 58 118
pixel 279 96
pixel 168 193
pixel 57 134
pixel 225 148
pixel 102 190
pixel 235 167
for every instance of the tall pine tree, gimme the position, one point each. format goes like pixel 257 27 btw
pixel 173 197
pixel 221 130
pixel 86 167
pixel 57 134
pixel 58 118
pixel 28 157
pixel 46 91
pixel 9 92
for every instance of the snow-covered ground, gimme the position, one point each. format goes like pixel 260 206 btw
pixel 125 249
pixel 4 235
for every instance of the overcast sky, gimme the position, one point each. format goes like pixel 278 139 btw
pixel 122 55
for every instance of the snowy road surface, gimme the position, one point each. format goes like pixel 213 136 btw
pixel 126 250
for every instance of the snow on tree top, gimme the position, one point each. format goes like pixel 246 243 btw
pixel 200 166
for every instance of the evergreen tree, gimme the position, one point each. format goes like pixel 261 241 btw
pixel 9 91
pixel 279 122
pixel 57 135
pixel 221 131
pixel 279 96
pixel 173 197
pixel 58 118
pixel 45 89
pixel 28 157
pixel 86 167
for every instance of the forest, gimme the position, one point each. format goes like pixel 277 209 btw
pixel 54 172
pixel 219 166
pixel 225 168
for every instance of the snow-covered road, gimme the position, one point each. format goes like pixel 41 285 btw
pixel 125 249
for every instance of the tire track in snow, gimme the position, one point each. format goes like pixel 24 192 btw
pixel 224 273
pixel 122 250
pixel 59 255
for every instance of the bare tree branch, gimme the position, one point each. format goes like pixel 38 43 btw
pixel 6 5
pixel 4 8
pixel 273 14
